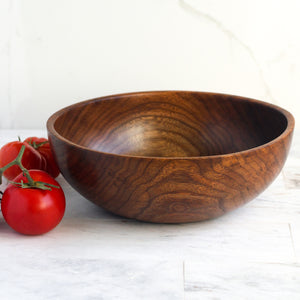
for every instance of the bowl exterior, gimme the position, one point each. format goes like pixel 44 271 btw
pixel 170 190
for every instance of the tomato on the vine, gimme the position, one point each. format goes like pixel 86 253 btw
pixel 31 159
pixel 33 211
pixel 43 147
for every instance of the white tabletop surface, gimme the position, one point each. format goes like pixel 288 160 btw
pixel 250 253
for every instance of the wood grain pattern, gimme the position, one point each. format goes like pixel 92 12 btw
pixel 173 156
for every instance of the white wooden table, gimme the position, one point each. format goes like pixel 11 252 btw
pixel 251 253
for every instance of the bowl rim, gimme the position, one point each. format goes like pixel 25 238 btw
pixel 287 131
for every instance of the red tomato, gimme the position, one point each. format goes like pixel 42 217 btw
pixel 31 159
pixel 33 211
pixel 46 152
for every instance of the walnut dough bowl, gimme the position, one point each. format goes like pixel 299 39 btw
pixel 170 156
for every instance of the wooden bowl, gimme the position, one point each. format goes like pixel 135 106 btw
pixel 171 156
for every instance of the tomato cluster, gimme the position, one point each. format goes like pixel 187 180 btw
pixel 33 202
pixel 37 155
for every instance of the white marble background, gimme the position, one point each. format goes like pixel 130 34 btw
pixel 54 53
pixel 57 52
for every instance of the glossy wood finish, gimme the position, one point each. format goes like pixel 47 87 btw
pixel 170 156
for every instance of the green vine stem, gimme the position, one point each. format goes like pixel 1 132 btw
pixel 17 161
pixel 30 182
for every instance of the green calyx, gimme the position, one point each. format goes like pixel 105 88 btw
pixel 30 182
pixel 37 145
pixel 36 184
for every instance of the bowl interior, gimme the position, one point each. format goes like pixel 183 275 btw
pixel 177 124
